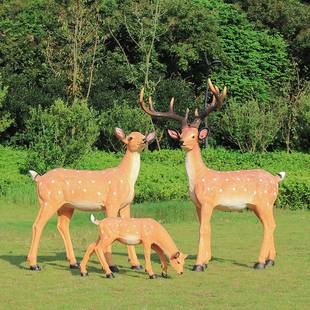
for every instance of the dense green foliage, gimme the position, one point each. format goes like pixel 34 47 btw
pixel 163 175
pixel 60 135
pixel 50 49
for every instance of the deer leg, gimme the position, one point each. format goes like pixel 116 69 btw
pixel 204 248
pixel 265 246
pixel 147 257
pixel 64 217
pixel 272 251
pixel 99 249
pixel 132 256
pixel 160 253
pixel 89 252
pixel 111 212
pixel 44 215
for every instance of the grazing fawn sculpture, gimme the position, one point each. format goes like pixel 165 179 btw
pixel 132 231
pixel 230 190
pixel 112 190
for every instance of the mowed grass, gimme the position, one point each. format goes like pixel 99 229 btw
pixel 229 282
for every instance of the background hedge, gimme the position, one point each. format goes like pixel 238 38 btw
pixel 163 175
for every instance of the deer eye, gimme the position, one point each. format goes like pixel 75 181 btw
pixel 130 138
pixel 178 262
pixel 193 137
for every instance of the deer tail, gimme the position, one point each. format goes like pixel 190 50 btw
pixel 281 176
pixel 34 174
pixel 94 220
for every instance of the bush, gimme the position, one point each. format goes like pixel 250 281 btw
pixel 163 174
pixel 123 116
pixel 252 126
pixel 60 135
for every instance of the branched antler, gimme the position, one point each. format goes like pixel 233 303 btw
pixel 216 103
pixel 170 114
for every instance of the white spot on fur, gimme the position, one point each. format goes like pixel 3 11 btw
pixel 59 192
pixel 122 181
pixel 260 180
pixel 234 189
pixel 93 181
pixel 109 182
pixel 254 193
pixel 99 194
pixel 265 191
pixel 214 179
pixel 67 182
pixel 72 191
pixel 238 179
pixel 79 181
pixel 226 179
pixel 114 193
pixel 202 180
pixel 53 181
pixel 84 190
pixel 45 203
pixel 220 190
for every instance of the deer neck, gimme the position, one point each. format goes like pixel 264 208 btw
pixel 130 166
pixel 167 244
pixel 194 165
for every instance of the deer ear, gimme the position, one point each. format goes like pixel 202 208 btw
pixel 120 135
pixel 150 137
pixel 174 134
pixel 176 255
pixel 203 133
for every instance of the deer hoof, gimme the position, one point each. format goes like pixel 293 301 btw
pixel 110 276
pixel 114 268
pixel 84 274
pixel 139 267
pixel 164 275
pixel 259 266
pixel 35 268
pixel 153 276
pixel 269 263
pixel 75 266
pixel 199 268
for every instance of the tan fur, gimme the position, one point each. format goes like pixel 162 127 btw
pixel 112 190
pixel 135 231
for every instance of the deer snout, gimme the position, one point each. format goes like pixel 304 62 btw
pixel 181 142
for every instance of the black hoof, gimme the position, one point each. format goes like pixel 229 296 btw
pixel 75 266
pixel 110 276
pixel 35 268
pixel 269 263
pixel 259 266
pixel 164 275
pixel 153 276
pixel 84 274
pixel 114 268
pixel 199 268
pixel 139 267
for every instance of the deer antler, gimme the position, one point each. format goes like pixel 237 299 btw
pixel 170 114
pixel 216 104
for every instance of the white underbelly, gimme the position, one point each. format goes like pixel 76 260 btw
pixel 232 204
pixel 86 206
pixel 130 239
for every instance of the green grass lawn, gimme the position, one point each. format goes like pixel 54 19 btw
pixel 229 282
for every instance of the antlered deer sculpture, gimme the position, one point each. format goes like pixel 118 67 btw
pixel 230 190
pixel 112 190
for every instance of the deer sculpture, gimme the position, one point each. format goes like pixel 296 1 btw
pixel 224 190
pixel 135 231
pixel 112 190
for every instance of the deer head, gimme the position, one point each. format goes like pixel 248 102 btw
pixel 135 141
pixel 190 134
pixel 177 261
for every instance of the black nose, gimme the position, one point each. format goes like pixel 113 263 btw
pixel 181 142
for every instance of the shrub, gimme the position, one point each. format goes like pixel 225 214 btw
pixel 123 116
pixel 252 126
pixel 60 135
pixel 163 174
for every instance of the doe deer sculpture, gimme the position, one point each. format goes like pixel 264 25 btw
pixel 110 190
